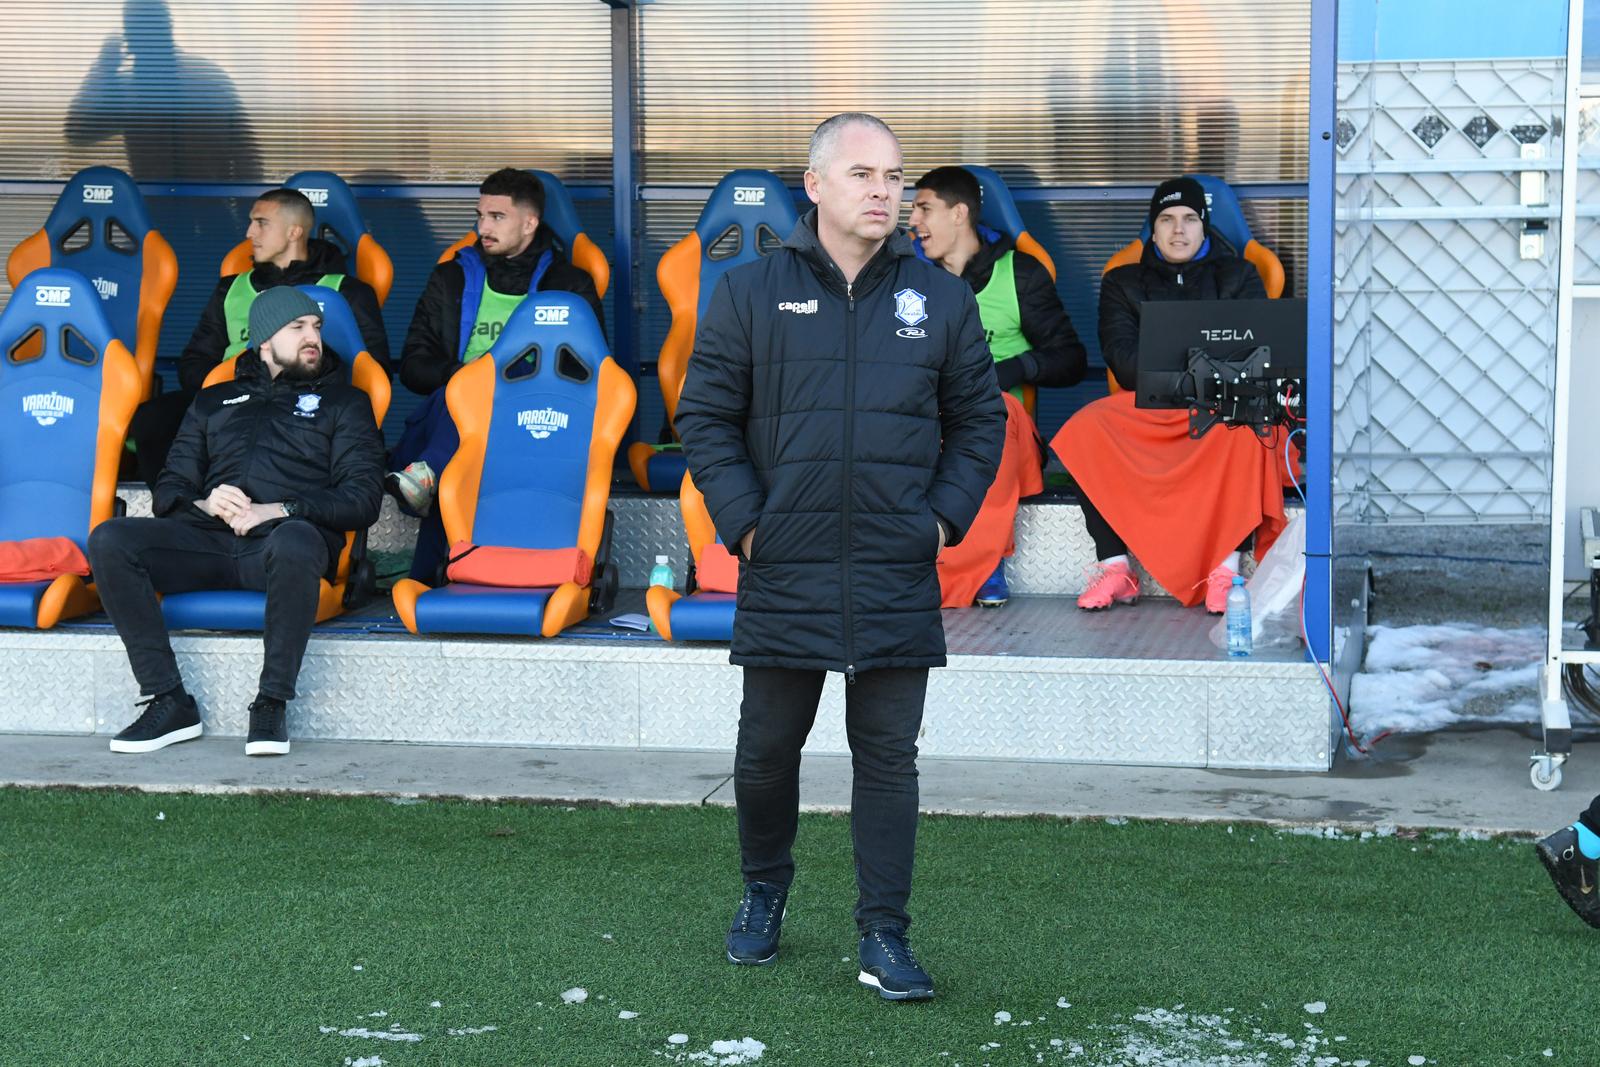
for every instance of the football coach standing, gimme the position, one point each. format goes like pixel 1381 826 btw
pixel 842 417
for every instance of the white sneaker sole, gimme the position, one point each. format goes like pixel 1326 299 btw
pixel 187 733
pixel 266 748
pixel 871 982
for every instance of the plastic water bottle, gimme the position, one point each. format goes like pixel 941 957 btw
pixel 661 573
pixel 1240 636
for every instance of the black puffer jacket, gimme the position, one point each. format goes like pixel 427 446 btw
pixel 210 340
pixel 310 441
pixel 813 413
pixel 1058 358
pixel 433 344
pixel 1216 275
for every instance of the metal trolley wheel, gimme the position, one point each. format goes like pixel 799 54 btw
pixel 1545 772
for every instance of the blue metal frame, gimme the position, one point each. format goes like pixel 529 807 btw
pixel 623 208
pixel 1319 330
pixel 1035 194
pixel 219 190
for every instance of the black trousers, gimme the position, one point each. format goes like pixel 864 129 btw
pixel 883 713
pixel 134 559
pixel 153 429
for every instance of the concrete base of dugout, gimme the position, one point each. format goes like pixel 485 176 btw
pixel 1035 680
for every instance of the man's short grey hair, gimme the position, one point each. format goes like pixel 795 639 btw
pixel 826 137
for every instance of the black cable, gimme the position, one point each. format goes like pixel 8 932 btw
pixel 1385 554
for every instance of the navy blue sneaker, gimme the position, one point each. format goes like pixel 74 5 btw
pixel 994 593
pixel 753 937
pixel 889 966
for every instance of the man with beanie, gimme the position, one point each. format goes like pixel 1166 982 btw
pixel 840 415
pixel 266 475
pixel 284 253
pixel 1572 856
pixel 1033 343
pixel 461 312
pixel 1137 468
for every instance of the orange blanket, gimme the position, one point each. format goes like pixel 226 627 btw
pixel 965 567
pixel 1181 505
pixel 41 559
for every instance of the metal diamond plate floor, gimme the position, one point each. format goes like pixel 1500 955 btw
pixel 1037 680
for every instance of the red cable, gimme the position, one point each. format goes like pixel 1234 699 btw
pixel 1328 682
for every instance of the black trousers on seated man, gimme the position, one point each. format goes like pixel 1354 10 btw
pixel 882 715
pixel 135 559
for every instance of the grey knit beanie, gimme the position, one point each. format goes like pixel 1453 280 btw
pixel 275 309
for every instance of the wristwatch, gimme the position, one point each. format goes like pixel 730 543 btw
pixel 290 508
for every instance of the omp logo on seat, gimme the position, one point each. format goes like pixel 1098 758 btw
pixel 318 197
pixel 750 195
pixel 97 194
pixel 551 316
pixel 542 422
pixel 799 307
pixel 46 408
pixel 52 296
pixel 106 288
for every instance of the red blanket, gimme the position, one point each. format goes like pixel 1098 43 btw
pixel 965 567
pixel 1180 504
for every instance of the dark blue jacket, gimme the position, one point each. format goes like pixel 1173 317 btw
pixel 842 424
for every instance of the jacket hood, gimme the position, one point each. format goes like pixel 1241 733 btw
pixel 992 244
pixel 804 240
pixel 322 257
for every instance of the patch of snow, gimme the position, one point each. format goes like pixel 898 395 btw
pixel 364 1061
pixel 1546 1052
pixel 678 1039
pixel 358 967
pixel 1116 820
pixel 1316 1007
pixel 161 816
pixel 1416 1061
pixel 1421 678
pixel 377 1015
pixel 575 995
pixel 435 1004
pixel 1002 1017
pixel 1061 1002
pixel 607 937
pixel 468 1031
pixel 627 1015
pixel 377 1035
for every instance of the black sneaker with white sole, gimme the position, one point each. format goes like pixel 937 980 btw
pixel 753 936
pixel 1577 877
pixel 889 966
pixel 269 728
pixel 167 719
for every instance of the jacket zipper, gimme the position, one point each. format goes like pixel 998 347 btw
pixel 849 445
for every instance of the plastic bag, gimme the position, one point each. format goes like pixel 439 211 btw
pixel 1275 591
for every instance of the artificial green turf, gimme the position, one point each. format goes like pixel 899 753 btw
pixel 128 938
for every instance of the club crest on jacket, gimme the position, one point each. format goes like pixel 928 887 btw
pixel 910 307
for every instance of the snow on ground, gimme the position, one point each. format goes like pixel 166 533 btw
pixel 722 1053
pixel 575 995
pixel 392 1034
pixel 1176 1037
pixel 1421 678
pixel 364 1061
